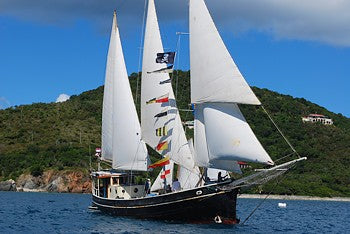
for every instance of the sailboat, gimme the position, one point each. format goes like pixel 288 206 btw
pixel 221 134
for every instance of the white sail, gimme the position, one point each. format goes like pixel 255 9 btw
pixel 216 86
pixel 214 75
pixel 107 108
pixel 158 184
pixel 189 178
pixel 121 133
pixel 151 87
pixel 202 154
pixel 228 135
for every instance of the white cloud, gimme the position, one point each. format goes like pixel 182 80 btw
pixel 62 98
pixel 325 21
pixel 313 20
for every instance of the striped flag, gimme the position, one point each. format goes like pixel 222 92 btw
pixel 160 163
pixel 161 131
pixel 161 114
pixel 161 99
pixel 165 81
pixel 164 174
pixel 168 69
pixel 162 146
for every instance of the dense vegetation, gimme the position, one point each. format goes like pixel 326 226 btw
pixel 36 137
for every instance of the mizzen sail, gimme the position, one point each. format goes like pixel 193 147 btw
pixel 121 132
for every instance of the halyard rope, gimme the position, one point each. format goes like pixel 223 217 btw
pixel 279 130
pixel 140 52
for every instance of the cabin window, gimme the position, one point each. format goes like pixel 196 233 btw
pixel 121 180
pixel 115 180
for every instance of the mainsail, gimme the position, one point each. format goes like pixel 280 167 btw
pixel 160 120
pixel 121 132
pixel 222 135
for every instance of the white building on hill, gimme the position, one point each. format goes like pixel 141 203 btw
pixel 313 118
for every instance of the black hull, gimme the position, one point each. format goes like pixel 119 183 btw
pixel 199 205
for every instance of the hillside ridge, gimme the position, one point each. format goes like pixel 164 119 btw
pixel 62 136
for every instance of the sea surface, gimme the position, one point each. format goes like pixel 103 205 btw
pixel 68 213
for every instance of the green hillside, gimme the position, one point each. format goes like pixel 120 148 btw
pixel 62 136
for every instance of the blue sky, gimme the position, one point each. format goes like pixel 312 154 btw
pixel 52 47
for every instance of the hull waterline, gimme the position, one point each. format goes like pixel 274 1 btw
pixel 207 204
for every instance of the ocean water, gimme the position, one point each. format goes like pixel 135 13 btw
pixel 68 213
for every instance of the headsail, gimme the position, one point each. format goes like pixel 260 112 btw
pixel 121 132
pixel 214 75
pixel 222 135
pixel 160 115
pixel 229 136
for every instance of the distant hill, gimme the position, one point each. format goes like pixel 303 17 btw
pixel 61 136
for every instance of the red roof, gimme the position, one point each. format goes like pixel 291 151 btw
pixel 316 115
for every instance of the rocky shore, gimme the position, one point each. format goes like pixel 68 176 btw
pixel 50 181
pixel 9 185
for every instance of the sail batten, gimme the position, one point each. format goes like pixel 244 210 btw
pixel 121 132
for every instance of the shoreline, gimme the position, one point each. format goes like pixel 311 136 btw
pixel 293 197
pixel 240 196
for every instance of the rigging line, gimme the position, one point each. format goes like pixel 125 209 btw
pixel 261 202
pixel 140 52
pixel 288 155
pixel 106 163
pixel 279 130
pixel 188 176
pixel 176 62
pixel 201 178
pixel 178 65
pixel 185 125
pixel 133 163
pixel 187 110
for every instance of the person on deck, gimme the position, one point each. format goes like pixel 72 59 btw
pixel 168 188
pixel 221 178
pixel 176 186
pixel 148 186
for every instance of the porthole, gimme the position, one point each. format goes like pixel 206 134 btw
pixel 123 191
pixel 199 192
pixel 136 190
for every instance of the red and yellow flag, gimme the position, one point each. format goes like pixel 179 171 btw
pixel 161 99
pixel 162 146
pixel 160 163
